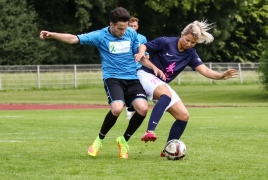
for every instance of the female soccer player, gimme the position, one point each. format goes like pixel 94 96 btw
pixel 172 55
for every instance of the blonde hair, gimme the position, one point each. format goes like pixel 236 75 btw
pixel 199 31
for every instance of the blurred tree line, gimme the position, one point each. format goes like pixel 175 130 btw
pixel 241 27
pixel 263 69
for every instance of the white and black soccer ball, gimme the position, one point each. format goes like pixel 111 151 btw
pixel 175 149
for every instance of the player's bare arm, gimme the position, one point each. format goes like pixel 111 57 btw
pixel 205 71
pixel 63 37
pixel 141 54
pixel 157 72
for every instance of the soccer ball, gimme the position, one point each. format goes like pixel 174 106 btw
pixel 175 149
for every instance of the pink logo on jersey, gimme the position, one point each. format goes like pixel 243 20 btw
pixel 169 70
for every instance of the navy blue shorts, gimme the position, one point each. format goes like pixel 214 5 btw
pixel 124 90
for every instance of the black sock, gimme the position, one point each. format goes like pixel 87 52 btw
pixel 107 124
pixel 134 123
pixel 177 129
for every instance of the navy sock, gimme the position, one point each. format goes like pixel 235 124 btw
pixel 177 129
pixel 107 124
pixel 158 111
pixel 134 123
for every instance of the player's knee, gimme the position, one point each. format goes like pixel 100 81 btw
pixel 142 109
pixel 184 116
pixel 116 111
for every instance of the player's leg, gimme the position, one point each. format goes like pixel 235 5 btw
pixel 158 90
pixel 115 96
pixel 163 96
pixel 136 100
pixel 181 114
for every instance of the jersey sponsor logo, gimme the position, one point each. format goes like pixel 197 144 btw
pixel 119 47
pixel 170 70
pixel 168 54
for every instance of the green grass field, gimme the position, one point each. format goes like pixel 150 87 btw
pixel 192 95
pixel 67 79
pixel 225 140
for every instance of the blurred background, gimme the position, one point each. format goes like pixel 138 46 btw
pixel 240 29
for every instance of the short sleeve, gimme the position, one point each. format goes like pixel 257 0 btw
pixel 91 38
pixel 156 44
pixel 195 61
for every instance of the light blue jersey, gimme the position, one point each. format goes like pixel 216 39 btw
pixel 117 54
pixel 142 39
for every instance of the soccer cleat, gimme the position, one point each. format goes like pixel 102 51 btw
pixel 149 136
pixel 162 154
pixel 123 147
pixel 95 147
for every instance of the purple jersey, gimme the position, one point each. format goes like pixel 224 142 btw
pixel 164 54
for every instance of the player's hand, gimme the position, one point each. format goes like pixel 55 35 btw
pixel 158 72
pixel 139 56
pixel 45 34
pixel 230 73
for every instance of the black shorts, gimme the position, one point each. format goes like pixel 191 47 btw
pixel 124 90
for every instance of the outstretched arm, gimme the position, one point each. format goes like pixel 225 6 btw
pixel 65 38
pixel 205 71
